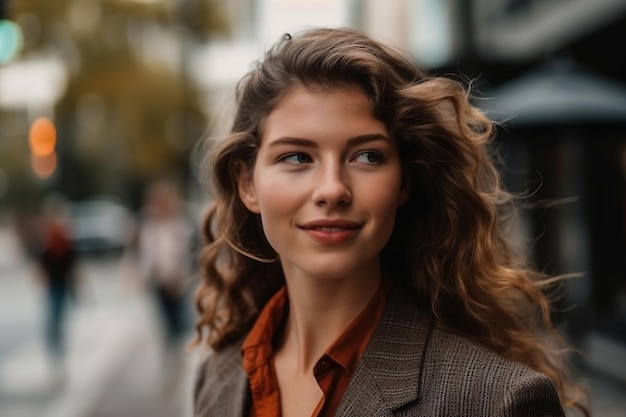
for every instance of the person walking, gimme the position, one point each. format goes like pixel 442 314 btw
pixel 57 264
pixel 164 251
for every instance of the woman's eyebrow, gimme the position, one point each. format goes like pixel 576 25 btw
pixel 288 140
pixel 308 143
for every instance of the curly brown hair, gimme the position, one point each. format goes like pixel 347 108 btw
pixel 450 241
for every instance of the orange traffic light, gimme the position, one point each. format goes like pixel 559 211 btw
pixel 42 137
pixel 42 140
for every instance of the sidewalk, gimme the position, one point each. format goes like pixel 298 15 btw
pixel 97 343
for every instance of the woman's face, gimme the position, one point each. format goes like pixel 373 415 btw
pixel 326 182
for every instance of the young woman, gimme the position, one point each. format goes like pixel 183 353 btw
pixel 356 261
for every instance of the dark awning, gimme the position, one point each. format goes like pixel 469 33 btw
pixel 557 93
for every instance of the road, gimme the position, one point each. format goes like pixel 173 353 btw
pixel 116 364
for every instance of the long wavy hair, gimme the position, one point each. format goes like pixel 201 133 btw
pixel 451 238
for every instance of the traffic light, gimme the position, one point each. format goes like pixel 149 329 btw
pixel 42 140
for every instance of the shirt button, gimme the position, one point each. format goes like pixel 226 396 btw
pixel 321 366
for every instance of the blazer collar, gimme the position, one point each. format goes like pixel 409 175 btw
pixel 388 376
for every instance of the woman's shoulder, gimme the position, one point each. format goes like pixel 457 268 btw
pixel 445 348
pixel 220 361
pixel 220 381
pixel 483 379
pixel 456 351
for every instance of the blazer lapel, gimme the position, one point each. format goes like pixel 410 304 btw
pixel 389 373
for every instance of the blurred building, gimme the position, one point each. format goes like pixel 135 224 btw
pixel 553 73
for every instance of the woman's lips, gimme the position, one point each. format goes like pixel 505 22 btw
pixel 331 232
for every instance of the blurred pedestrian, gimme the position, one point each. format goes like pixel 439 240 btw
pixel 164 245
pixel 56 258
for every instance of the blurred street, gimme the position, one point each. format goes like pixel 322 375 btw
pixel 116 366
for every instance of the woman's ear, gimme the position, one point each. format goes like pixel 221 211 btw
pixel 245 187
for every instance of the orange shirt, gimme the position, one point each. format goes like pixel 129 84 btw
pixel 332 371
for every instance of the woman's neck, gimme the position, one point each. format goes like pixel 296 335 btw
pixel 319 311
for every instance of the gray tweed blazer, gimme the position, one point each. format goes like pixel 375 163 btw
pixel 410 368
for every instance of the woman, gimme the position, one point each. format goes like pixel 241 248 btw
pixel 356 262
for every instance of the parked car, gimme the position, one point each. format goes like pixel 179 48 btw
pixel 101 225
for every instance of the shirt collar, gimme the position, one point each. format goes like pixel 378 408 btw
pixel 257 347
pixel 346 350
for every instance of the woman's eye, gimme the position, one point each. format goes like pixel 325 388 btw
pixel 369 157
pixel 296 158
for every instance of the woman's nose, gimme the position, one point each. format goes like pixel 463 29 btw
pixel 331 187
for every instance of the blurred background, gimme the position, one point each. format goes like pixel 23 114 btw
pixel 103 108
